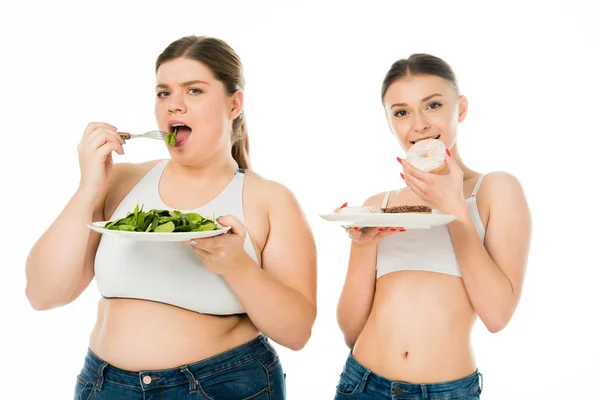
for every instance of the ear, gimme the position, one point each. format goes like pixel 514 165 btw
pixel 236 105
pixel 463 107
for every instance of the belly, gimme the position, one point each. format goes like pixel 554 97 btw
pixel 137 334
pixel 419 328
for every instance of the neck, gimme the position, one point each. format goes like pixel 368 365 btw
pixel 216 167
pixel 467 172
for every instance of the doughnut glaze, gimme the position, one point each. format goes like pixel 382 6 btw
pixel 428 155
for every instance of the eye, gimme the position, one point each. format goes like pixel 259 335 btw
pixel 434 105
pixel 400 113
pixel 195 91
pixel 162 94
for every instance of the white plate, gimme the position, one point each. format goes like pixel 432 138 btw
pixel 157 236
pixel 384 220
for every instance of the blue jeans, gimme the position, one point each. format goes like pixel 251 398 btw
pixel 250 371
pixel 358 383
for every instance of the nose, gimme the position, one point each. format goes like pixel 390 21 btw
pixel 421 124
pixel 176 104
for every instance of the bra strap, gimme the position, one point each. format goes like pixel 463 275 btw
pixel 385 199
pixel 476 188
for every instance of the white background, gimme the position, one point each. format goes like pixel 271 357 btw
pixel 316 124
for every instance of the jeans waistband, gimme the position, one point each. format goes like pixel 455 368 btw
pixel 378 383
pixel 148 379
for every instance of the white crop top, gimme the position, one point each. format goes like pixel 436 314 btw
pixel 424 249
pixel 168 272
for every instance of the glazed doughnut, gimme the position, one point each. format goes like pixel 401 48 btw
pixel 428 155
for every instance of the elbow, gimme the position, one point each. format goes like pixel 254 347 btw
pixel 350 341
pixel 297 341
pixel 495 323
pixel 301 338
pixel 350 335
pixel 302 335
pixel 39 302
pixel 495 327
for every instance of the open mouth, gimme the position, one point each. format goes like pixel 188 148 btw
pixel 431 137
pixel 179 133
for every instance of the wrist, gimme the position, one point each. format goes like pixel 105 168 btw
pixel 87 195
pixel 461 212
pixel 239 270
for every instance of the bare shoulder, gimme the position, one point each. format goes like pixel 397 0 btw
pixel 374 200
pixel 267 191
pixel 123 177
pixel 499 185
pixel 377 199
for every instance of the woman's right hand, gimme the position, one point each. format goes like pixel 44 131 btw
pixel 95 149
pixel 372 235
pixel 369 235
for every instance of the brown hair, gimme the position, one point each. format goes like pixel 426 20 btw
pixel 226 67
pixel 419 64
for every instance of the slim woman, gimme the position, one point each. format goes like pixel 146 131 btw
pixel 183 320
pixel 411 297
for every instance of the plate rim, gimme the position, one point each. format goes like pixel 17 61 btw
pixel 96 225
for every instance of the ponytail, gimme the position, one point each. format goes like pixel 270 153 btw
pixel 240 149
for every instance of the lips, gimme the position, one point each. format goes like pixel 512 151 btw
pixel 425 138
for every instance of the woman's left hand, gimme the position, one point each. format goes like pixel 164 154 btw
pixel 224 253
pixel 443 192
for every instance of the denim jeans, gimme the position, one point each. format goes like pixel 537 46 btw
pixel 250 371
pixel 358 383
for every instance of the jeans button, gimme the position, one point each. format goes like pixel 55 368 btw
pixel 147 379
pixel 397 390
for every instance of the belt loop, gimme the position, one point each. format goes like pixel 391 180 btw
pixel 100 377
pixel 191 378
pixel 480 376
pixel 363 381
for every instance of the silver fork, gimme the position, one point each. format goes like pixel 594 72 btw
pixel 150 134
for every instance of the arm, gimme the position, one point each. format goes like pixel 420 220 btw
pixel 60 264
pixel 280 298
pixel 493 274
pixel 358 292
pixel 356 299
pixel 59 270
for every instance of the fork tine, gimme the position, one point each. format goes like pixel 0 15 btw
pixel 157 134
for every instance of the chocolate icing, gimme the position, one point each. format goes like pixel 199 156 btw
pixel 407 209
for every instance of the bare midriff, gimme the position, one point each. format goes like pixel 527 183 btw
pixel 139 335
pixel 419 329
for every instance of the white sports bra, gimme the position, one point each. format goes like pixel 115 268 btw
pixel 168 272
pixel 424 249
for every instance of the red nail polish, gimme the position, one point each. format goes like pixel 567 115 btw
pixel 448 152
pixel 381 229
pixel 355 228
pixel 402 175
pixel 402 230
pixel 344 205
pixel 393 229
pixel 399 160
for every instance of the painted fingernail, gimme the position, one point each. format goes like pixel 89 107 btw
pixel 448 152
pixel 393 229
pixel 402 175
pixel 381 229
pixel 356 228
pixel 399 160
pixel 344 205
pixel 402 230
